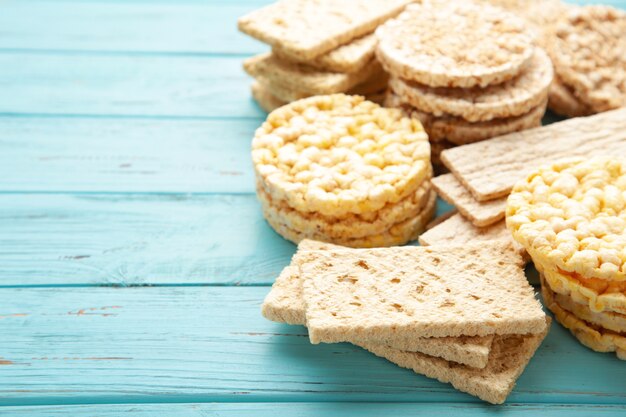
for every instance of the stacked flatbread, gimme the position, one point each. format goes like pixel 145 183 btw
pixel 571 218
pixel 467 71
pixel 461 314
pixel 343 169
pixel 318 47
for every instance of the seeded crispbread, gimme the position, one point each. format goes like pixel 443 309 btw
pixel 561 100
pixel 397 234
pixel 490 45
pixel 508 99
pixel 351 57
pixel 284 304
pixel 264 98
pixel 305 29
pixel 507 360
pixel 461 132
pixel 480 213
pixel 490 168
pixel 403 293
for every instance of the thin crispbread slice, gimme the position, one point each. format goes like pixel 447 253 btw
pixel 348 58
pixel 507 360
pixel 266 100
pixel 480 213
pixel 399 294
pixel 489 169
pixel 284 304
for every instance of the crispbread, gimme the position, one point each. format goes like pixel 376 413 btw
pixel 562 100
pixel 489 169
pixel 508 99
pixel 305 29
pixel 480 213
pixel 340 154
pixel 461 132
pixel 306 79
pixel 490 45
pixel 350 225
pixel 351 57
pixel 572 215
pixel 589 53
pixel 609 320
pixel 397 234
pixel 400 294
pixel 507 360
pixel 594 337
pixel 266 100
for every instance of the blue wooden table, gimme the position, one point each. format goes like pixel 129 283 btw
pixel 133 253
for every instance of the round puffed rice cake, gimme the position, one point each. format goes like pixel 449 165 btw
pixel 589 54
pixel 340 154
pixel 509 99
pixel 594 337
pixel 562 100
pixel 454 44
pixel 461 132
pixel 351 225
pixel 572 215
pixel 397 234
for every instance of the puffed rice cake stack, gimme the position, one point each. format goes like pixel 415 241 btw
pixel 571 218
pixel 344 170
pixel 467 71
pixel 318 47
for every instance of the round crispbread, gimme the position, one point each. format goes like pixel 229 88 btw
pixel 561 100
pixel 489 45
pixel 589 54
pixel 397 234
pixel 340 154
pixel 512 98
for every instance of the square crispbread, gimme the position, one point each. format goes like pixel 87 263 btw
pixel 480 213
pixel 489 169
pixel 351 57
pixel 284 304
pixel 305 29
pixel 508 358
pixel 399 294
pixel 306 79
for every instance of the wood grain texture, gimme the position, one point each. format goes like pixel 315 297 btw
pixel 201 344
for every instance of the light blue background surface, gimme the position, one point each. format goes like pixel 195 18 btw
pixel 133 254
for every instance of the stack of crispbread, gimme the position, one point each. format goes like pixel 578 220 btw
pixel 467 71
pixel 571 218
pixel 483 174
pixel 461 314
pixel 342 169
pixel 318 47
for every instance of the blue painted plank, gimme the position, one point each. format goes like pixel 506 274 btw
pixel 210 344
pixel 318 409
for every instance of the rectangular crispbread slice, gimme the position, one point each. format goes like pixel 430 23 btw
pixel 493 383
pixel 394 295
pixel 489 169
pixel 480 213
pixel 305 29
pixel 348 58
pixel 309 80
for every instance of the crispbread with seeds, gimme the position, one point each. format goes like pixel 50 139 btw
pixel 508 99
pixel 480 213
pixel 284 304
pixel 396 234
pixel 490 168
pixel 489 45
pixel 589 53
pixel 307 79
pixel 305 29
pixel 351 57
pixel 507 360
pixel 400 294
pixel 266 100
pixel 340 154
pixel 561 100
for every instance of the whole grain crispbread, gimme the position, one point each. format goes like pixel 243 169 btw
pixel 400 294
pixel 490 168
pixel 480 213
pixel 305 29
